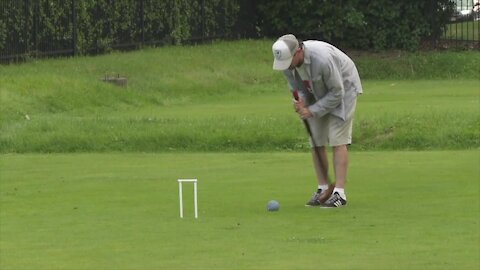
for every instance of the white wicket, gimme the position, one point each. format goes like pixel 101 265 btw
pixel 195 196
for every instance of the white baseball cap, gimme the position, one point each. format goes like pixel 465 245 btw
pixel 283 50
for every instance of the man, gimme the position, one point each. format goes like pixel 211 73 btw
pixel 328 84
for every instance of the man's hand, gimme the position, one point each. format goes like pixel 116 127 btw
pixel 301 109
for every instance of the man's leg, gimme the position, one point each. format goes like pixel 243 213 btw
pixel 320 163
pixel 340 136
pixel 318 140
pixel 319 130
pixel 322 175
pixel 340 164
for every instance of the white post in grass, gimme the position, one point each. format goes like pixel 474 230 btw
pixel 195 195
pixel 195 198
pixel 180 197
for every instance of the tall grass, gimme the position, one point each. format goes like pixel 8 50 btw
pixel 398 65
pixel 225 97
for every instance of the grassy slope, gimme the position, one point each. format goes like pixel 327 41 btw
pixel 391 115
pixel 408 210
pixel 225 97
pixel 419 115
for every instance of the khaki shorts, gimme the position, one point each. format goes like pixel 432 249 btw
pixel 332 130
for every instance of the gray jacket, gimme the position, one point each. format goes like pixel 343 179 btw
pixel 333 76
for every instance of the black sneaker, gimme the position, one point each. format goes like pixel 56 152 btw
pixel 319 198
pixel 334 201
pixel 315 200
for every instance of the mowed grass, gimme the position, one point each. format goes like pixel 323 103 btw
pixel 407 210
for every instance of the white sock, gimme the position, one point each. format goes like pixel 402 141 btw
pixel 341 192
pixel 322 187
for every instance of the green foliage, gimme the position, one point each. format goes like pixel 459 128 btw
pixel 12 16
pixel 3 34
pixel 54 26
pixel 37 26
pixel 309 19
pixel 105 25
pixel 101 25
pixel 362 24
pixel 180 28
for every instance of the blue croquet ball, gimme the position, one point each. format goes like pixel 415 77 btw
pixel 273 206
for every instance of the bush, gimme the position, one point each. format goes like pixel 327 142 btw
pixel 362 24
pixel 44 26
pixel 3 34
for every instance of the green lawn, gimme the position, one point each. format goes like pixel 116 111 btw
pixel 88 170
pixel 407 210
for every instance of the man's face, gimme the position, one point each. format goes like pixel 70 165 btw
pixel 297 59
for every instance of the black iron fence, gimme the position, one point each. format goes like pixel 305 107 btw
pixel 37 28
pixel 463 30
pixel 21 30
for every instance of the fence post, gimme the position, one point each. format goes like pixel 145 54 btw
pixel 203 20
pixel 433 24
pixel 36 15
pixel 225 19
pixel 74 29
pixel 142 21
pixel 27 34
pixel 172 18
